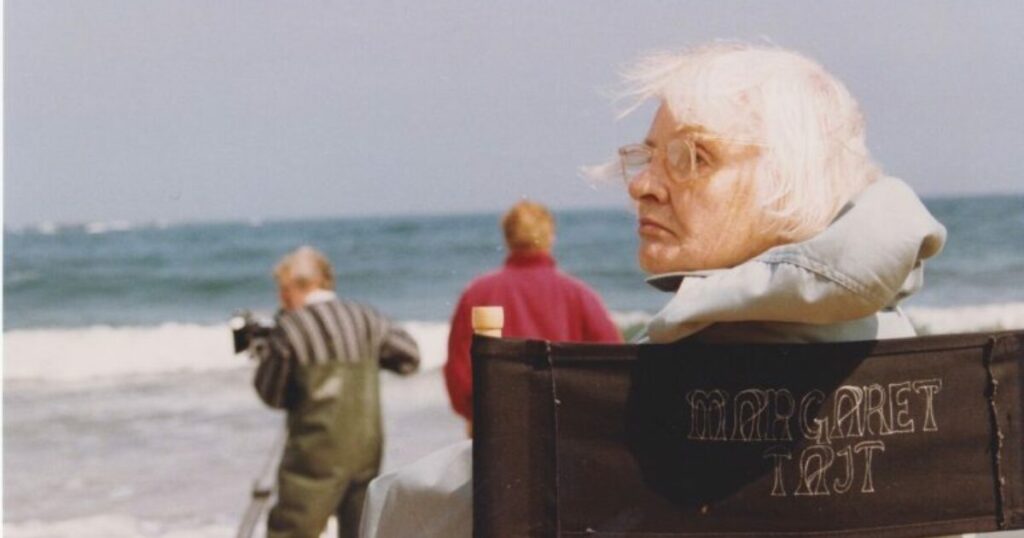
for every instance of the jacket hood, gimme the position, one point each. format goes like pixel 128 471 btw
pixel 868 259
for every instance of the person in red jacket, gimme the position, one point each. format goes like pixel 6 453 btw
pixel 539 300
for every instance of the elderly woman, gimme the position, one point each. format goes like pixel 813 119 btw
pixel 759 207
pixel 756 194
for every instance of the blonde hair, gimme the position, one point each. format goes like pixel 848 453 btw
pixel 810 129
pixel 528 226
pixel 305 267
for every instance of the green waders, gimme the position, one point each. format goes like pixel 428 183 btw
pixel 333 449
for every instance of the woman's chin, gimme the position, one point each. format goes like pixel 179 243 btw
pixel 657 263
pixel 654 260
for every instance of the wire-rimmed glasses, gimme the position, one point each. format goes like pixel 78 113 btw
pixel 683 160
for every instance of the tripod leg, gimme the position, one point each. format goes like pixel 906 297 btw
pixel 262 489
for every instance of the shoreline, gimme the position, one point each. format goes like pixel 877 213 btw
pixel 96 353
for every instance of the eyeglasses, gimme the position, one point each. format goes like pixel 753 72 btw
pixel 683 159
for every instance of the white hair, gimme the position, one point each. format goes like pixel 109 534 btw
pixel 809 127
pixel 305 266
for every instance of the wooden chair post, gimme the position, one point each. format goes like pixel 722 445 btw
pixel 487 321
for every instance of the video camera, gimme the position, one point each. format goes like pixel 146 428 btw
pixel 247 329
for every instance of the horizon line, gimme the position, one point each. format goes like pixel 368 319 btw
pixel 100 226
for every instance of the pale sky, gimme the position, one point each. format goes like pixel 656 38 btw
pixel 174 110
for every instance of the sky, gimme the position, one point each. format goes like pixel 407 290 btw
pixel 194 110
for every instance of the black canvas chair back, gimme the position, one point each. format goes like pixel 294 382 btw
pixel 912 437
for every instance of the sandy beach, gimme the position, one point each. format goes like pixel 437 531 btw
pixel 102 441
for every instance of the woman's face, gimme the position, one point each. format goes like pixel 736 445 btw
pixel 706 217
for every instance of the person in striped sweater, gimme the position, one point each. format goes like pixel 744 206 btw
pixel 321 364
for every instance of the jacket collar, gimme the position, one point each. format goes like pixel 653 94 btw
pixel 320 296
pixel 671 281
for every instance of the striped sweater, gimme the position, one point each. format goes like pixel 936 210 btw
pixel 323 331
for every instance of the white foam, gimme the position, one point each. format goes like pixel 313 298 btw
pixel 95 352
pixel 432 337
pixel 105 352
pixel 104 227
pixel 111 526
pixel 630 318
pixel 966 319
pixel 47 228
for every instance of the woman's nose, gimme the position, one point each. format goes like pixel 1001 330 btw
pixel 648 185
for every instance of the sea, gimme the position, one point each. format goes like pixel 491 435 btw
pixel 125 413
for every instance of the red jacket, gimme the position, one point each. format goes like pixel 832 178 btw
pixel 540 302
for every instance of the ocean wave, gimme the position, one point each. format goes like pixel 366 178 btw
pixel 93 227
pixel 101 352
pixel 14 277
pixel 107 352
pixel 47 228
pixel 967 319
pixel 626 319
pixel 105 227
